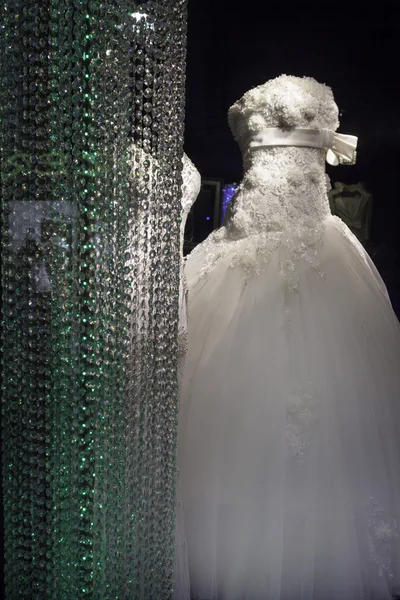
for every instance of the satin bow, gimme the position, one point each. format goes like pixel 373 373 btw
pixel 342 149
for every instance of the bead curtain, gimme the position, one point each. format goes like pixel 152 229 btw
pixel 90 282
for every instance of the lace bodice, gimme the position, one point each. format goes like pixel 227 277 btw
pixel 282 199
pixel 191 182
pixel 282 187
pixel 285 102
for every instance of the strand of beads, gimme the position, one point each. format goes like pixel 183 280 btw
pixel 90 304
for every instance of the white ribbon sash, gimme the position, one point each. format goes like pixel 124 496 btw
pixel 341 149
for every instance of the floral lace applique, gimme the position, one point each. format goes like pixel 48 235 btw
pixel 286 102
pixel 191 183
pixel 382 534
pixel 272 211
pixel 281 203
pixel 300 419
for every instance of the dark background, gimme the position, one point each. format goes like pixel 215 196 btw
pixel 353 48
pixel 234 46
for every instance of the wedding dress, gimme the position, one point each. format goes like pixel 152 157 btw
pixel 191 182
pixel 289 445
pixel 190 190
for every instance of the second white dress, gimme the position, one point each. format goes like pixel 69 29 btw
pixel 289 444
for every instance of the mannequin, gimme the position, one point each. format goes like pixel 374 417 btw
pixel 353 204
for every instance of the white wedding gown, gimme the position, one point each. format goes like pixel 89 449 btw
pixel 144 182
pixel 289 434
pixel 191 182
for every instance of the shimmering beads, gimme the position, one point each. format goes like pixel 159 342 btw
pixel 90 283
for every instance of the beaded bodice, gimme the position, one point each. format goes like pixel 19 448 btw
pixel 281 187
pixel 282 199
pixel 191 182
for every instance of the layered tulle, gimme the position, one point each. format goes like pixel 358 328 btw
pixel 289 429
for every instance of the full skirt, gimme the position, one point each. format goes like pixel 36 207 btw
pixel 289 432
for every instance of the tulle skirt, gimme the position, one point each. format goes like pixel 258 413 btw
pixel 289 434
